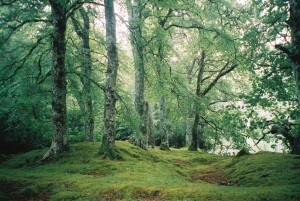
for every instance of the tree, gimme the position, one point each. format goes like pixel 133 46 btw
pixel 134 9
pixel 107 148
pixel 280 29
pixel 294 55
pixel 59 85
pixel 85 99
pixel 194 143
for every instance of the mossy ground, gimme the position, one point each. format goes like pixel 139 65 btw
pixel 179 174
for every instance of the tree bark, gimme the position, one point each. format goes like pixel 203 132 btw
pixel 150 126
pixel 107 148
pixel 86 70
pixel 134 11
pixel 194 143
pixel 294 23
pixel 189 116
pixel 59 88
pixel 162 125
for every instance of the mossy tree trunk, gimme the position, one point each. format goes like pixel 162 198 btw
pixel 59 88
pixel 194 142
pixel 86 102
pixel 107 148
pixel 134 8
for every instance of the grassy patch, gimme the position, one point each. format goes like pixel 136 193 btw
pixel 178 174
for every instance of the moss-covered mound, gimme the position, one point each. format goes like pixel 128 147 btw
pixel 178 174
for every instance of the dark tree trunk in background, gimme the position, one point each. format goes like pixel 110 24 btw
pixel 86 70
pixel 107 148
pixel 194 143
pixel 59 88
pixel 134 12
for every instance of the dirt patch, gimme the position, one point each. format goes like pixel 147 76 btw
pixel 212 177
pixel 184 163
pixel 147 196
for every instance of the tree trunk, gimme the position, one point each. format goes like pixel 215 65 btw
pixel 107 148
pixel 294 55
pixel 86 70
pixel 188 130
pixel 162 125
pixel 150 126
pixel 59 88
pixel 293 141
pixel 294 23
pixel 189 116
pixel 134 11
pixel 194 143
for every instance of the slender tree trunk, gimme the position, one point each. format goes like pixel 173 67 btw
pixel 86 69
pixel 189 125
pixel 150 126
pixel 59 88
pixel 189 116
pixel 107 148
pixel 134 11
pixel 162 125
pixel 194 143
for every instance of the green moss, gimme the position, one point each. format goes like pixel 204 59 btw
pixel 80 174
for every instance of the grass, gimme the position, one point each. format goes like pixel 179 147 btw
pixel 179 174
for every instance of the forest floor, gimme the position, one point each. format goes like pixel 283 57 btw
pixel 179 174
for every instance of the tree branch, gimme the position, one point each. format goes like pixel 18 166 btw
pixel 285 51
pixel 220 75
